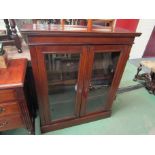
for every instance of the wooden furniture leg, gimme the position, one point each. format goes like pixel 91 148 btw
pixel 148 79
pixel 15 36
pixel 138 71
pixel 8 30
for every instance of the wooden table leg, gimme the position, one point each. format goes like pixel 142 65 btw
pixel 138 70
pixel 15 36
pixel 8 30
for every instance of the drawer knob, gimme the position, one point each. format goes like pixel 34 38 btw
pixel 2 110
pixel 3 124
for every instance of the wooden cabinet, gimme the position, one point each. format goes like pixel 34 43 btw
pixel 76 73
pixel 14 107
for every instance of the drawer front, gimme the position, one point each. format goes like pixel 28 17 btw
pixel 7 95
pixel 9 108
pixel 10 122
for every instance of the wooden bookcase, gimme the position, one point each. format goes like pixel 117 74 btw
pixel 77 73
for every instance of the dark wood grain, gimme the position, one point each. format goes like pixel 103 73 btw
pixel 14 75
pixel 14 110
pixel 8 108
pixel 75 121
pixel 11 122
pixel 7 95
pixel 57 39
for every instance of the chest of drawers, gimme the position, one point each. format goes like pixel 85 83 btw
pixel 14 106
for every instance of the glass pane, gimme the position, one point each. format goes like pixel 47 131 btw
pixel 62 75
pixel 104 67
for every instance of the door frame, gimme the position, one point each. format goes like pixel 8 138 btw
pixel 38 50
pixel 124 54
pixel 43 82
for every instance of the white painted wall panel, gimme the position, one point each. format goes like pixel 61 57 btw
pixel 145 26
pixel 2 25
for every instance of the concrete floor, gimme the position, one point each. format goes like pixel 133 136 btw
pixel 133 114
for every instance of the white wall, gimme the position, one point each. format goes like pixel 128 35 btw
pixel 145 26
pixel 2 25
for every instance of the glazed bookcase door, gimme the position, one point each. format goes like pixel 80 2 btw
pixel 63 73
pixel 102 65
